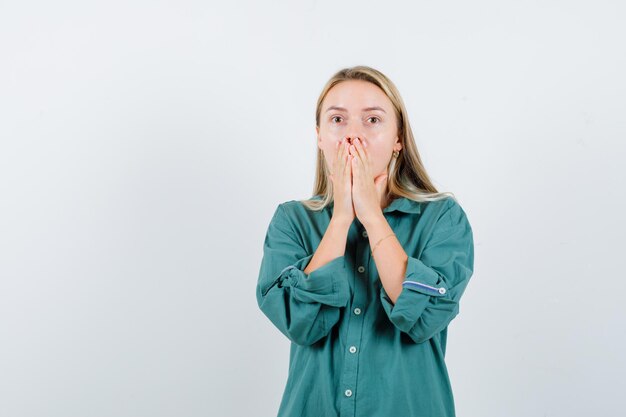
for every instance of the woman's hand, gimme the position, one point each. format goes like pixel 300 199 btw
pixel 367 191
pixel 341 178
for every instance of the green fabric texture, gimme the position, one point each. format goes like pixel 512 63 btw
pixel 353 352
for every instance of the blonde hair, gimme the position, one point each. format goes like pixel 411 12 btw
pixel 407 175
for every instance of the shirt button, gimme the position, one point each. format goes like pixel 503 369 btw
pixel 442 290
pixel 364 233
pixel 361 269
pixel 352 349
pixel 348 393
pixel 357 311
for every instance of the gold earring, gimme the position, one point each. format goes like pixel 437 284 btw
pixel 396 154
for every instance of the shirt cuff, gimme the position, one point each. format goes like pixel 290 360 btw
pixel 422 278
pixel 327 284
pixel 420 283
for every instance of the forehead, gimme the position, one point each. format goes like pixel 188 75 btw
pixel 356 94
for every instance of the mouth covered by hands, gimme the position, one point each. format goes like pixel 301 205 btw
pixel 356 192
pixel 367 191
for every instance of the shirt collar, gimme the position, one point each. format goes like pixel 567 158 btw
pixel 402 204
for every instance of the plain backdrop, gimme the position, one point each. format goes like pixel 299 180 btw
pixel 145 145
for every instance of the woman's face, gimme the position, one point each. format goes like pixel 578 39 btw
pixel 357 108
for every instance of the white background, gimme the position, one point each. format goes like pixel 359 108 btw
pixel 145 145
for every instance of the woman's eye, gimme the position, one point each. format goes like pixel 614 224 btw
pixel 376 118
pixel 335 117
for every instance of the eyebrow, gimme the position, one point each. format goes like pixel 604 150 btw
pixel 365 109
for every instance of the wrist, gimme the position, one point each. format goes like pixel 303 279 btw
pixel 340 223
pixel 374 221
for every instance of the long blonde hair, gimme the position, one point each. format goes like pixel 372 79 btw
pixel 407 175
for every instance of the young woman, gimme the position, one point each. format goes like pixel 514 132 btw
pixel 365 276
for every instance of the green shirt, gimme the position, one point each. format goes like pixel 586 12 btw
pixel 353 352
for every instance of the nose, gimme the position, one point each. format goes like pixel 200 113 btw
pixel 353 131
pixel 351 138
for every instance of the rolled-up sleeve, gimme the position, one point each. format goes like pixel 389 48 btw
pixel 434 283
pixel 304 307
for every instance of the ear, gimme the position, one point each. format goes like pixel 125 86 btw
pixel 398 145
pixel 319 139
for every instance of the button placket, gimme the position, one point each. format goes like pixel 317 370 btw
pixel 349 378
